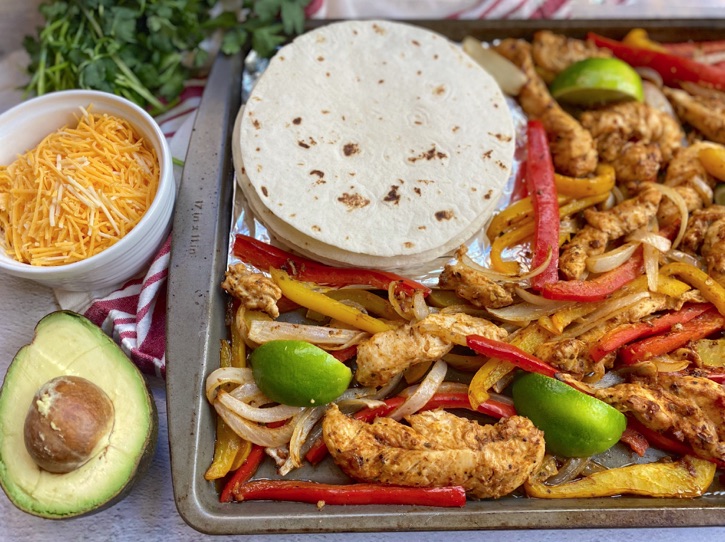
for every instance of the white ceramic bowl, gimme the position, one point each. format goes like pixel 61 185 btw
pixel 25 125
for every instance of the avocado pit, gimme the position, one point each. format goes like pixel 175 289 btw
pixel 68 423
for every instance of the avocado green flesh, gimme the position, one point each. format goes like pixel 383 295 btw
pixel 68 344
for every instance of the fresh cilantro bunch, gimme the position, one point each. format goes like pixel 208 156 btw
pixel 145 50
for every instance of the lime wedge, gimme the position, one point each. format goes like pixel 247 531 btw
pixel 596 81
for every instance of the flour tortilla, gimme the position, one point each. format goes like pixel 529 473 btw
pixel 374 143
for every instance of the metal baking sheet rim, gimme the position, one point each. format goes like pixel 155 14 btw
pixel 195 324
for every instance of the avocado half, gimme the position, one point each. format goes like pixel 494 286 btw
pixel 68 344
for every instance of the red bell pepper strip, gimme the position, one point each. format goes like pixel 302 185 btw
pixel 315 492
pixel 545 201
pixel 598 288
pixel 344 354
pixel 672 68
pixel 243 473
pixel 493 408
pixel 698 328
pixel 635 440
pixel 695 49
pixel 620 336
pixel 512 354
pixel 263 256
pixel 666 443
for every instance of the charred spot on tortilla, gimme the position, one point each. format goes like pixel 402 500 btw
pixel 415 42
pixel 297 120
pixel 320 59
pixel 392 195
pixel 439 90
pixel 487 155
pixel 265 191
pixel 353 201
pixel 350 148
pixel 317 172
pixel 501 137
pixel 256 124
pixel 444 215
pixel 500 164
pixel 408 244
pixel 378 29
pixel 381 81
pixel 430 154
pixel 315 227
pixel 488 194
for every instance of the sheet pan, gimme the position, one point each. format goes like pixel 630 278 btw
pixel 196 324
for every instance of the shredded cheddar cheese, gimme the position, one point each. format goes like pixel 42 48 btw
pixel 78 192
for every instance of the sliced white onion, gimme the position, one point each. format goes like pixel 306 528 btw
pixel 649 75
pixel 360 402
pixel 330 337
pixel 255 414
pixel 651 266
pixel 502 277
pixel 699 90
pixel 508 76
pixel 395 302
pixel 387 389
pixel 679 256
pixel 426 389
pixel 618 194
pixel 445 387
pixel 534 299
pixel 571 469
pixel 250 394
pixel 606 311
pixel 526 312
pixel 226 375
pixel 269 437
pixel 654 97
pixel 678 200
pixel 612 259
pixel 420 308
pixel 302 427
pixel 610 202
pixel 703 189
pixel 652 239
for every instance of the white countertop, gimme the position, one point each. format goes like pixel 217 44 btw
pixel 149 512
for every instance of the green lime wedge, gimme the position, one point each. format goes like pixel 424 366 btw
pixel 597 81
pixel 297 373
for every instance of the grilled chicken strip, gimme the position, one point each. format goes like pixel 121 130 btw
pixel 705 235
pixel 690 408
pixel 553 53
pixel 606 226
pixel 706 114
pixel 572 148
pixel 635 138
pixel 389 353
pixel 685 173
pixel 438 449
pixel 473 285
pixel 254 290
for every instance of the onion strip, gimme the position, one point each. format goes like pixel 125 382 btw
pixel 269 437
pixel 526 312
pixel 261 331
pixel 426 390
pixel 679 201
pixel 226 375
pixel 602 263
pixel 606 311
pixel 651 238
pixel 302 428
pixel 503 277
pixel 255 414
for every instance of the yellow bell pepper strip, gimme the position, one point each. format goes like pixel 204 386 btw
pixel 696 328
pixel 711 352
pixel 627 333
pixel 445 298
pixel 713 160
pixel 638 37
pixel 599 288
pixel 228 446
pixel 495 369
pixel 544 199
pixel 583 187
pixel 526 228
pixel 709 288
pixel 672 68
pixel 513 215
pixel 365 298
pixel 263 256
pixel 305 296
pixel 686 478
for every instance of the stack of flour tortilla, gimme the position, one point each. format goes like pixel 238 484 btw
pixel 373 144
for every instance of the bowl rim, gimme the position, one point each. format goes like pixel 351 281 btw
pixel 165 177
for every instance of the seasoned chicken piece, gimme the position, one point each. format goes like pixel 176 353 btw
pixel 689 408
pixel 635 138
pixel 606 226
pixel 473 285
pixel 572 148
pixel 438 449
pixel 389 353
pixel 705 235
pixel 254 290
pixel 685 173
pixel 569 355
pixel 553 53
pixel 706 114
